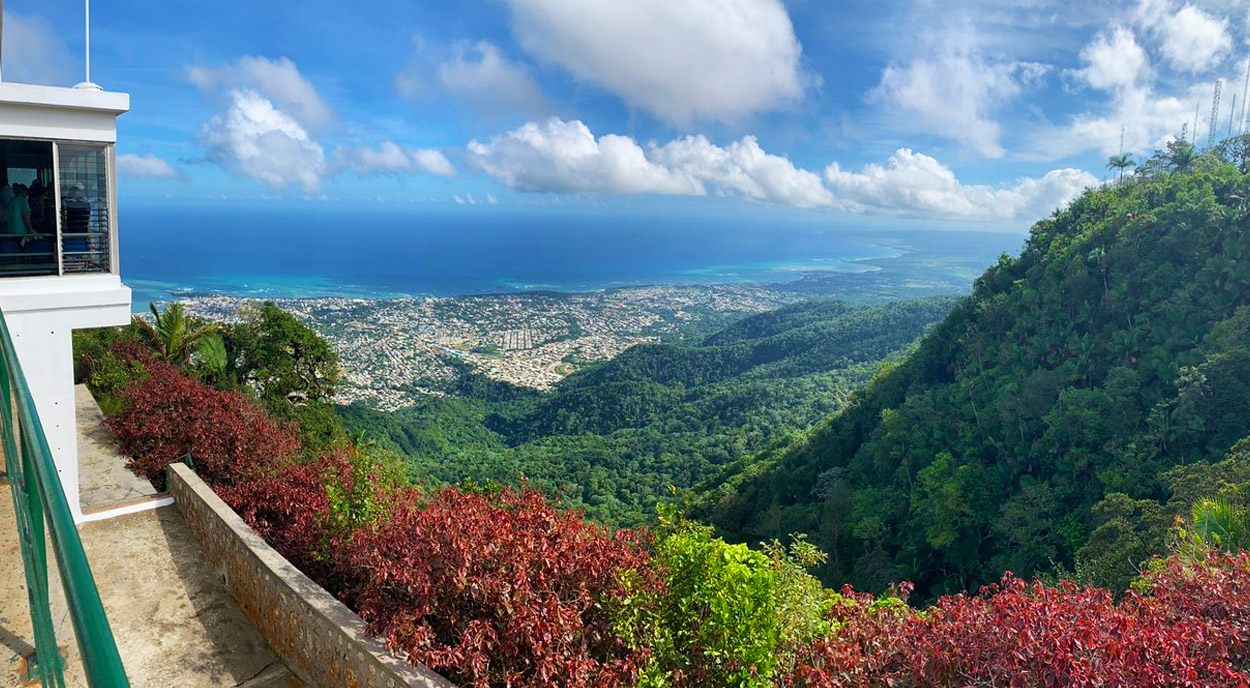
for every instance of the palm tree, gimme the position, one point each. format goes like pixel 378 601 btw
pixel 1221 525
pixel 210 359
pixel 174 334
pixel 1119 163
pixel 1181 154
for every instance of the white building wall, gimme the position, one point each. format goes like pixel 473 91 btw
pixel 42 314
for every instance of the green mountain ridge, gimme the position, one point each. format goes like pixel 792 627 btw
pixel 615 437
pixel 1058 398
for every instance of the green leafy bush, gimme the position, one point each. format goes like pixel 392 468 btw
pixel 713 622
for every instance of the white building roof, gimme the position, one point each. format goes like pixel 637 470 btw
pixel 56 112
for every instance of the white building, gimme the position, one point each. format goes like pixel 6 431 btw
pixel 59 271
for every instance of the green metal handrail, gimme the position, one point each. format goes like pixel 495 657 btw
pixel 38 496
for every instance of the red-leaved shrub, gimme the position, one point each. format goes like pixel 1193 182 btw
pixel 1189 630
pixel 292 509
pixel 169 415
pixel 288 509
pixel 496 590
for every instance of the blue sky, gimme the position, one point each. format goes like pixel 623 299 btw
pixel 978 113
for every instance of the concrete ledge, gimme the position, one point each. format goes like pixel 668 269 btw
pixel 319 638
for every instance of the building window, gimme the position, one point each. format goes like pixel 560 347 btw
pixel 27 209
pixel 85 211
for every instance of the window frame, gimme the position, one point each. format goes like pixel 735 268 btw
pixel 110 166
pixel 111 198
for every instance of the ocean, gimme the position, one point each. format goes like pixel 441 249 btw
pixel 325 250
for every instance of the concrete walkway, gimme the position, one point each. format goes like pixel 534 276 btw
pixel 103 480
pixel 175 624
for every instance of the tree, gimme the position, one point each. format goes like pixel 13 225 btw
pixel 1181 154
pixel 284 359
pixel 1119 163
pixel 210 358
pixel 173 334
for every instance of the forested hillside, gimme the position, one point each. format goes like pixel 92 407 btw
pixel 1057 419
pixel 614 437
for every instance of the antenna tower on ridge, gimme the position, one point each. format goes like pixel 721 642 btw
pixel 1215 112
pixel 1245 96
pixel 1193 137
pixel 1232 110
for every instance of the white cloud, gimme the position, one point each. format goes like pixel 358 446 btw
pixel 1114 60
pixel 955 91
pixel 265 130
pixel 34 53
pixel 682 61
pixel 255 139
pixel 563 157
pixel 389 158
pixel 480 74
pixel 1148 110
pixel 912 183
pixel 1146 118
pixel 432 161
pixel 560 156
pixel 146 167
pixel 743 167
pixel 279 81
pixel 1189 38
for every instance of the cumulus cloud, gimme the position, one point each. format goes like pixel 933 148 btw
pixel 559 156
pixel 1146 119
pixel 271 125
pixel 279 81
pixel 1144 108
pixel 146 167
pixel 744 168
pixel 1114 60
pixel 911 183
pixel 255 139
pixel 954 92
pixel 1189 38
pixel 34 53
pixel 389 158
pixel 682 61
pixel 480 74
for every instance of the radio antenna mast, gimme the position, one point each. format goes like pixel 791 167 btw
pixel 1245 96
pixel 1194 135
pixel 1231 111
pixel 86 83
pixel 1215 112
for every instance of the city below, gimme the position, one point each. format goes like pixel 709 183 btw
pixel 393 350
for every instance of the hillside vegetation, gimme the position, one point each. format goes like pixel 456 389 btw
pixel 1059 418
pixel 1045 424
pixel 615 437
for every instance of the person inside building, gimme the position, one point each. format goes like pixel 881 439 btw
pixel 18 211
pixel 6 195
pixel 40 208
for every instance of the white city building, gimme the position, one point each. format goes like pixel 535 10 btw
pixel 59 270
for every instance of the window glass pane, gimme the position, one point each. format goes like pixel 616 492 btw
pixel 84 208
pixel 27 209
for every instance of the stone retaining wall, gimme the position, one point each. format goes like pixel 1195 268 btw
pixel 320 640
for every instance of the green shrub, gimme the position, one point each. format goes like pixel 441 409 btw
pixel 802 602
pixel 713 621
pixel 357 484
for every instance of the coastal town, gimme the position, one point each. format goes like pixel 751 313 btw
pixel 393 350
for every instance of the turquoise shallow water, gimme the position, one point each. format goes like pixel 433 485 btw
pixel 302 252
